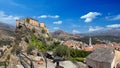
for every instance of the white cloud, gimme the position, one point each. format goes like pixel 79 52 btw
pixel 75 31
pixel 113 26
pixel 48 16
pixel 96 28
pixel 7 18
pixel 57 22
pixel 90 16
pixel 56 28
pixel 113 18
pixel 56 16
pixel 42 16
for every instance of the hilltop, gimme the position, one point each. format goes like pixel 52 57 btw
pixel 62 35
pixel 30 32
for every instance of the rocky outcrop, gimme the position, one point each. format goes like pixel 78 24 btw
pixel 26 33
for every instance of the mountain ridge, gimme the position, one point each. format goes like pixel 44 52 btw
pixel 6 30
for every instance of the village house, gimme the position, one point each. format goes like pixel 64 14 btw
pixel 103 57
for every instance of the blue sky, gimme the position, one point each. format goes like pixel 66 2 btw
pixel 73 16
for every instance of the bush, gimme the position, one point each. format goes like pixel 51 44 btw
pixel 27 20
pixel 29 49
pixel 5 42
pixel 43 31
pixel 8 57
pixel 26 39
pixel 36 43
pixel 33 30
pixel 68 52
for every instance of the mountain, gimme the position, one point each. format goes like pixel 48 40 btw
pixel 6 30
pixel 108 32
pixel 62 35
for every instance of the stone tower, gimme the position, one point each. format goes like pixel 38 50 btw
pixel 90 42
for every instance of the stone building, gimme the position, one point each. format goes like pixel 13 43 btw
pixel 103 58
pixel 31 23
pixel 42 24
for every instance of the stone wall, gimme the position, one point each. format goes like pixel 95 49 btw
pixel 33 22
pixel 96 64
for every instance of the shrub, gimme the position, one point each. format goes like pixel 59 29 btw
pixel 43 31
pixel 29 49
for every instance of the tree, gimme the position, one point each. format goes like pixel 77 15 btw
pixel 43 31
pixel 33 29
pixel 29 49
pixel 27 20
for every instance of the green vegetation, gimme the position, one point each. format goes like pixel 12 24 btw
pixel 33 30
pixel 70 53
pixel 52 46
pixel 99 39
pixel 8 57
pixel 77 59
pixel 29 49
pixel 35 42
pixel 27 20
pixel 26 39
pixel 2 63
pixel 5 42
pixel 43 31
pixel 109 38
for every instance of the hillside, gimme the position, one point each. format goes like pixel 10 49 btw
pixel 108 32
pixel 97 37
pixel 62 35
pixel 6 30
pixel 29 34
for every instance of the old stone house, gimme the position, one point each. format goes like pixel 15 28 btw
pixel 103 58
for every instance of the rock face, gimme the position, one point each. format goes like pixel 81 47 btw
pixel 28 30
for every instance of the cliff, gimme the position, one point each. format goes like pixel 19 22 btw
pixel 29 34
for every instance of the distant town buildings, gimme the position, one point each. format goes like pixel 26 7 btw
pixel 74 44
pixel 103 58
